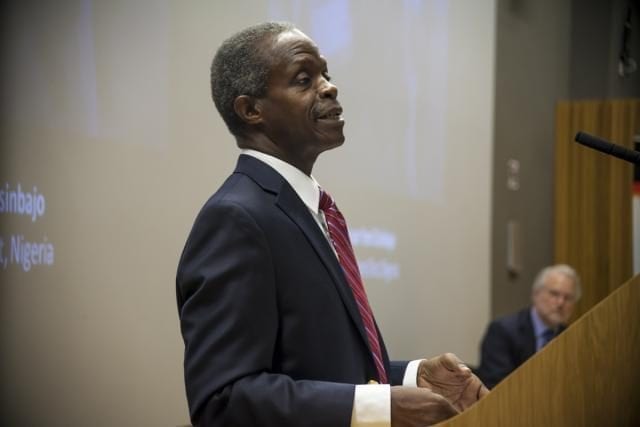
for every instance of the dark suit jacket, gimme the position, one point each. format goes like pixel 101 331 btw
pixel 272 333
pixel 508 342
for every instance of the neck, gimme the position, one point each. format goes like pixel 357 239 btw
pixel 262 143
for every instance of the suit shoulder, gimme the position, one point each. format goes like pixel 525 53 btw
pixel 241 191
pixel 510 322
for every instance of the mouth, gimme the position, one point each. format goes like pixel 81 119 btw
pixel 334 114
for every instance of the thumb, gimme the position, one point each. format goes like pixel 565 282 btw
pixel 451 362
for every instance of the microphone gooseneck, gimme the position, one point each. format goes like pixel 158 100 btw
pixel 608 148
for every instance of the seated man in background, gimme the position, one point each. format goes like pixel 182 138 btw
pixel 512 339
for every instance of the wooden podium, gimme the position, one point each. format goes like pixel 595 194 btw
pixel 588 376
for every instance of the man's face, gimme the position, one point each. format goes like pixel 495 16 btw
pixel 301 114
pixel 555 300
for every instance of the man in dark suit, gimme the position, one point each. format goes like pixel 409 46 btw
pixel 510 340
pixel 275 332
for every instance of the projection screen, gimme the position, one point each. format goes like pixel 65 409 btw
pixel 111 144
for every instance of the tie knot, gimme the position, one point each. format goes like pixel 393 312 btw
pixel 326 201
pixel 547 336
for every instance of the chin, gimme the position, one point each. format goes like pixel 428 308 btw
pixel 329 145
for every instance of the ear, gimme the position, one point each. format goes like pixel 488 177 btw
pixel 248 109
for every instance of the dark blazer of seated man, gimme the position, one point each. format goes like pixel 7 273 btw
pixel 273 335
pixel 510 340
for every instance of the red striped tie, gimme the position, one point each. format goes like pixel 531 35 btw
pixel 342 244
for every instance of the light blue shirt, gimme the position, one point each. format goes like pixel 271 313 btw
pixel 539 328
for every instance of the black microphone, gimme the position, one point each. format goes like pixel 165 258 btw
pixel 608 148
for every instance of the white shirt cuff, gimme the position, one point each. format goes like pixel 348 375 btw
pixel 372 406
pixel 372 402
pixel 411 373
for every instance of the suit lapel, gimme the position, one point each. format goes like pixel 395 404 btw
pixel 526 326
pixel 289 202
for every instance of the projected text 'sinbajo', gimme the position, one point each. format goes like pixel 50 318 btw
pixel 15 248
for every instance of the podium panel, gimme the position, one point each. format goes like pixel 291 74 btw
pixel 588 376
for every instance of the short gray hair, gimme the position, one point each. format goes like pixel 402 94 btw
pixel 563 269
pixel 241 67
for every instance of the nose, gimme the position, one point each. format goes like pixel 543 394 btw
pixel 328 89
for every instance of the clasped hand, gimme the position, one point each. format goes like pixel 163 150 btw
pixel 446 387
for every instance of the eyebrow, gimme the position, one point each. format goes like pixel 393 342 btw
pixel 306 58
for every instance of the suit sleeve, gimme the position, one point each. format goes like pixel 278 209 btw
pixel 227 300
pixel 496 355
pixel 397 371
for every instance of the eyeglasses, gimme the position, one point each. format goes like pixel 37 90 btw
pixel 557 295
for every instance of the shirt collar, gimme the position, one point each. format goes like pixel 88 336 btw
pixel 305 186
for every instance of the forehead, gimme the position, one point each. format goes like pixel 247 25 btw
pixel 293 47
pixel 561 282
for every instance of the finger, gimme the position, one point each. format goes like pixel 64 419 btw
pixel 464 367
pixel 483 391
